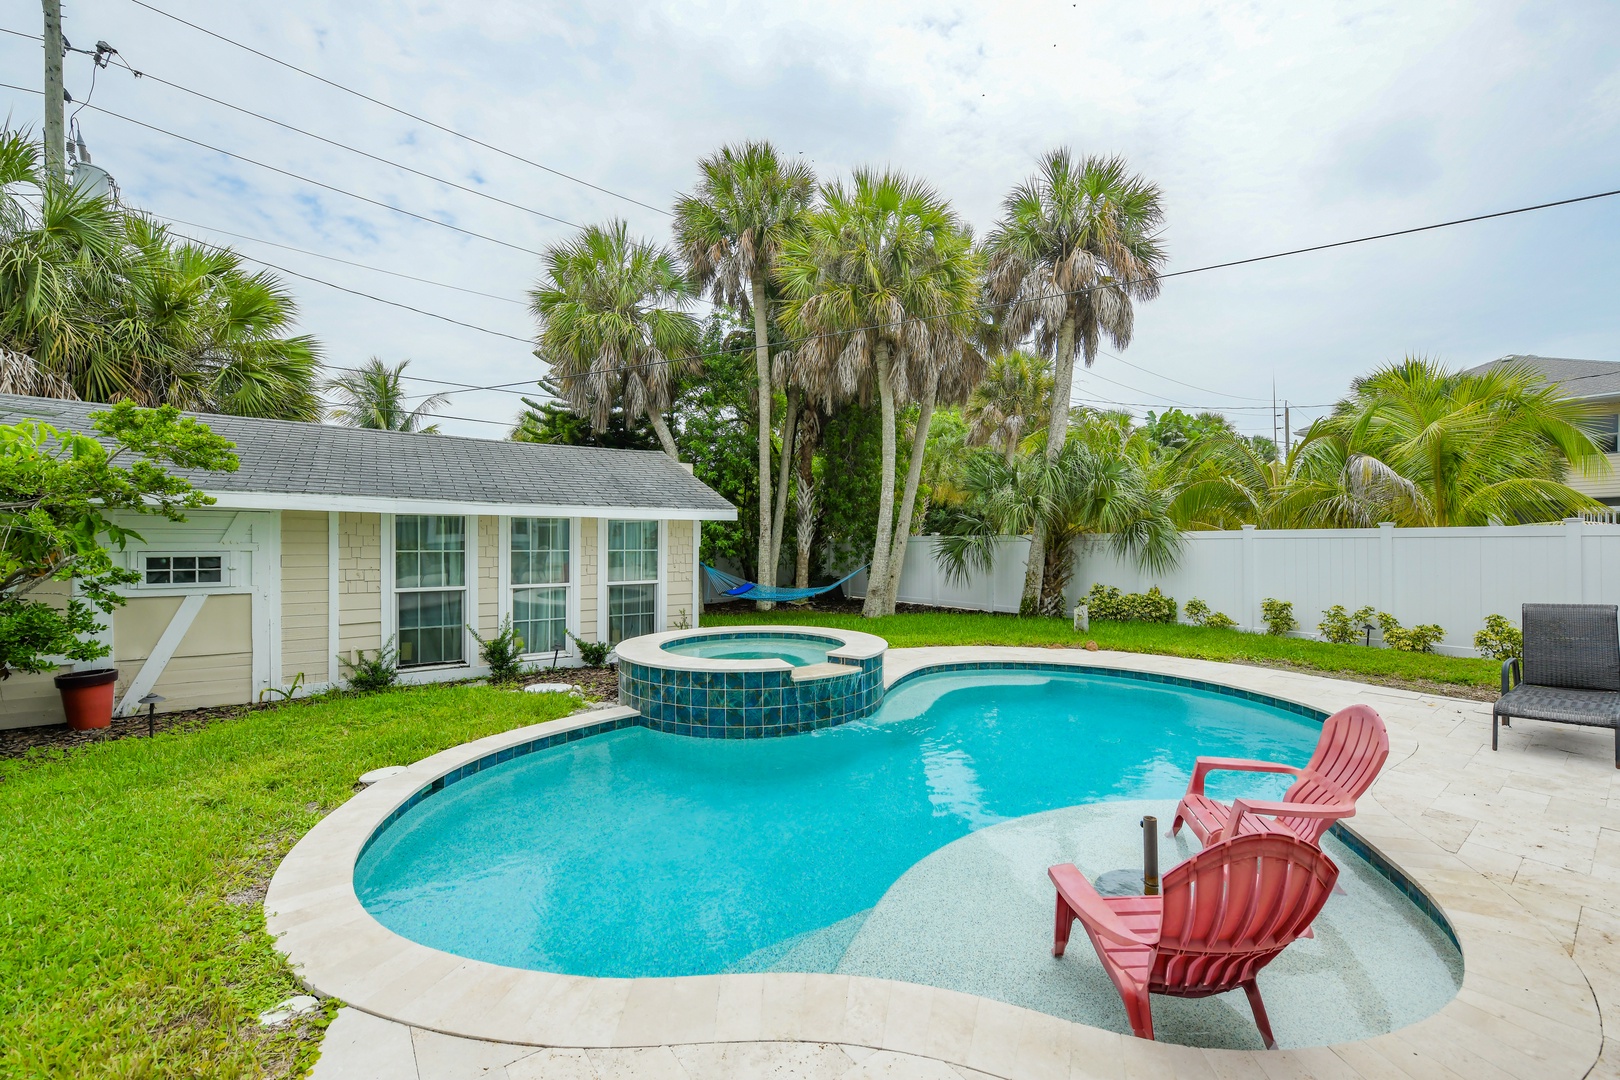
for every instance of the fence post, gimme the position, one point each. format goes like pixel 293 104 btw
pixel 1574 550
pixel 1251 583
pixel 1386 566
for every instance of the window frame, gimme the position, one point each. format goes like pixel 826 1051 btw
pixel 226 570
pixel 467 588
pixel 606 585
pixel 571 587
pixel 1605 431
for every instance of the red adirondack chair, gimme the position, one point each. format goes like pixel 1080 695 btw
pixel 1351 750
pixel 1225 913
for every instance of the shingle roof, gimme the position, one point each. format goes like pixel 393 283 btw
pixel 1580 378
pixel 283 458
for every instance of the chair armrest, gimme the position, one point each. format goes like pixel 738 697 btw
pixel 1512 673
pixel 1331 811
pixel 1206 765
pixel 1089 907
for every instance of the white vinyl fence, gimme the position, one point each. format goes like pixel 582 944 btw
pixel 1453 577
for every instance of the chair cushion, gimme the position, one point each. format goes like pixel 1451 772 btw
pixel 1596 708
pixel 1571 645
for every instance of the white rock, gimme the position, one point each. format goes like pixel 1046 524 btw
pixel 297 1005
pixel 551 688
pixel 381 774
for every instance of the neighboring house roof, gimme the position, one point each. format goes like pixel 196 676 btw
pixel 296 466
pixel 1579 378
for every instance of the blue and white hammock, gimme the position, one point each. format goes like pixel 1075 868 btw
pixel 731 585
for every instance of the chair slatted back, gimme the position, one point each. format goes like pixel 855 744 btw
pixel 1573 646
pixel 1352 748
pixel 1232 907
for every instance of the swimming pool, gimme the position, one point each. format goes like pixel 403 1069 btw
pixel 635 853
pixel 800 650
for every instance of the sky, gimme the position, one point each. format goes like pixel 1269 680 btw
pixel 1268 126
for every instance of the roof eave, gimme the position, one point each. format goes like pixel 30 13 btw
pixel 367 504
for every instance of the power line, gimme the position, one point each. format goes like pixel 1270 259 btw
pixel 1167 378
pixel 345 146
pixel 293 175
pixel 397 109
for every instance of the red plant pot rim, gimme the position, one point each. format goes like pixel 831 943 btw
pixel 77 680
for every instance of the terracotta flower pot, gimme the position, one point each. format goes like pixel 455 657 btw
pixel 87 697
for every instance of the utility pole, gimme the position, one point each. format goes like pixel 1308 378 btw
pixel 55 128
pixel 1288 432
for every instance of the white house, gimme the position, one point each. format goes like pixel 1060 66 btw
pixel 330 541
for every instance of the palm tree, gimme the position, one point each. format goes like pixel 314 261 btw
pixel 880 285
pixel 1010 403
pixel 614 326
pixel 1078 242
pixel 373 396
pixel 1426 446
pixel 730 231
pixel 1226 481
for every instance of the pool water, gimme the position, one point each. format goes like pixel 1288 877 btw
pixel 798 650
pixel 637 853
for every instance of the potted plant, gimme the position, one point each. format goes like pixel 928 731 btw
pixel 87 697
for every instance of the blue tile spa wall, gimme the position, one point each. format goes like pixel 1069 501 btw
pixel 748 704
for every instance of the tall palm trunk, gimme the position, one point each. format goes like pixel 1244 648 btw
pixel 661 429
pixel 809 437
pixel 908 500
pixel 1057 431
pixel 762 367
pixel 878 575
pixel 784 473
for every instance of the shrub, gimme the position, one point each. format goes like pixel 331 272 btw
pixel 502 653
pixel 1500 640
pixel 378 672
pixel 1421 638
pixel 1343 629
pixel 594 653
pixel 1279 616
pixel 1109 604
pixel 1199 614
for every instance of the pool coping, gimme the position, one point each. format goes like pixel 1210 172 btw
pixel 648 650
pixel 1496 1026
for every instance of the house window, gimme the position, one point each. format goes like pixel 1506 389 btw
pixel 540 583
pixel 1605 431
pixel 430 583
pixel 183 570
pixel 632 579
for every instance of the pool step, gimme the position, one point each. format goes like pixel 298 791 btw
pixel 822 671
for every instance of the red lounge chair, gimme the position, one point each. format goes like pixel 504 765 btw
pixel 1348 755
pixel 1225 913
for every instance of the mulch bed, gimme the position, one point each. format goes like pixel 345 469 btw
pixel 599 684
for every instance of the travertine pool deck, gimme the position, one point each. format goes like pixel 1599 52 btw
pixel 1520 849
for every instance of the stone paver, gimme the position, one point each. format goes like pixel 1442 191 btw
pixel 1520 849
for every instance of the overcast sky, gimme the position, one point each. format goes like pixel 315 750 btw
pixel 1269 126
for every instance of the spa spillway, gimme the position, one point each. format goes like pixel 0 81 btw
pixel 750 682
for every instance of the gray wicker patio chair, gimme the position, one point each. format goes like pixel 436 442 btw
pixel 1570 673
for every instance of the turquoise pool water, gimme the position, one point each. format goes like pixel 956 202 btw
pixel 637 853
pixel 796 649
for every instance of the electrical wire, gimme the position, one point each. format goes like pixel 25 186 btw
pixel 1179 382
pixel 292 175
pixel 343 146
pixel 400 111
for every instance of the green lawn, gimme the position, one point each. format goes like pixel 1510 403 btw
pixel 132 939
pixel 909 630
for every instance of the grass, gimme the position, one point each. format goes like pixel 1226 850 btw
pixel 1418 671
pixel 132 938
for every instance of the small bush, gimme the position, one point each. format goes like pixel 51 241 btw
pixel 378 672
pixel 1108 603
pixel 1199 614
pixel 1279 616
pixel 1500 640
pixel 1421 638
pixel 1343 629
pixel 502 653
pixel 594 653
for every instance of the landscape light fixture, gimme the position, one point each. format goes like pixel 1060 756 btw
pixel 151 703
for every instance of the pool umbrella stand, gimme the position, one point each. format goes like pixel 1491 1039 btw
pixel 1128 882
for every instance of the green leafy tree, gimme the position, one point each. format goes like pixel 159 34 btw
pixel 730 230
pixel 62 491
pixel 614 326
pixel 374 396
pixel 1077 245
